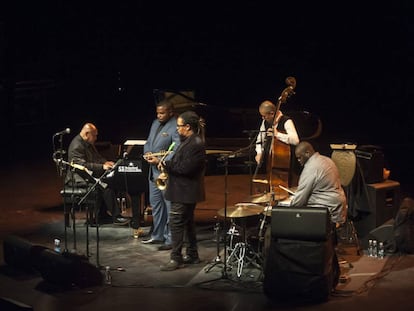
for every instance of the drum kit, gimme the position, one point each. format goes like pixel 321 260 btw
pixel 247 234
pixel 246 242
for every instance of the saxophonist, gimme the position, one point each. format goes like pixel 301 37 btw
pixel 185 188
pixel 162 134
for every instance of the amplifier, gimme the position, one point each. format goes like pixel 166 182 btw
pixel 371 162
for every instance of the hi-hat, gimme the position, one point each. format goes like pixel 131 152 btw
pixel 242 210
pixel 267 197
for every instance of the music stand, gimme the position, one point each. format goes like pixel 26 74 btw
pixel 97 181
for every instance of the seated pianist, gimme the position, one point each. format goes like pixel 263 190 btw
pixel 82 153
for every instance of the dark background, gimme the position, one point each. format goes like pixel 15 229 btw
pixel 63 64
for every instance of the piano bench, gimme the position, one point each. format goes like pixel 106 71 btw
pixel 72 196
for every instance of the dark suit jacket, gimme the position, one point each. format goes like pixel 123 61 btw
pixel 82 153
pixel 186 172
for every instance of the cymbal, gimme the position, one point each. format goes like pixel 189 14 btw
pixel 242 210
pixel 267 197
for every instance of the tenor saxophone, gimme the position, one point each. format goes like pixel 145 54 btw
pixel 161 181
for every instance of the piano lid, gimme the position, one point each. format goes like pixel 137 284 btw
pixel 135 142
pixel 133 148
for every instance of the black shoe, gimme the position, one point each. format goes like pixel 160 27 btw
pixel 121 221
pixel 171 265
pixel 151 241
pixel 191 260
pixel 165 247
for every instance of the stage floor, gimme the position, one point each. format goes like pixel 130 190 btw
pixel 32 209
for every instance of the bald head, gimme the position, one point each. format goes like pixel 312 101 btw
pixel 267 110
pixel 303 152
pixel 89 133
pixel 267 107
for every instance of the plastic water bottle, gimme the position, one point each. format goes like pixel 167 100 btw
pixel 381 251
pixel 370 254
pixel 57 245
pixel 108 276
pixel 374 248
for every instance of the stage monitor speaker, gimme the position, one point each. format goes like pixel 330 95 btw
pixel 7 304
pixel 305 224
pixel 385 234
pixel 20 253
pixel 300 270
pixel 68 270
pixel 371 162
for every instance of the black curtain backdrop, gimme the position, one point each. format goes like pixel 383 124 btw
pixel 64 63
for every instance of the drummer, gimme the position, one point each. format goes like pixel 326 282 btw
pixel 319 183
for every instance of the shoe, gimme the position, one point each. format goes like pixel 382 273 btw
pixel 137 233
pixel 165 247
pixel 121 221
pixel 171 265
pixel 191 260
pixel 151 241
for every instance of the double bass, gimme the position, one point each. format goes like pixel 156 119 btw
pixel 277 153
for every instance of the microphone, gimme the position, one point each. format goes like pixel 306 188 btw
pixel 65 131
pixel 119 161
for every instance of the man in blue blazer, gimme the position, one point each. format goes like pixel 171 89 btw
pixel 163 134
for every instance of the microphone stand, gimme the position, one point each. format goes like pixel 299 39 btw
pixel 62 162
pixel 252 136
pixel 62 172
pixel 225 159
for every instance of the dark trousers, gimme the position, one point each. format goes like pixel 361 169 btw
pixel 105 201
pixel 182 222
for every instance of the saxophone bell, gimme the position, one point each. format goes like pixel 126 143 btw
pixel 161 181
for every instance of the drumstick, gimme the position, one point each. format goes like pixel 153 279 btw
pixel 286 189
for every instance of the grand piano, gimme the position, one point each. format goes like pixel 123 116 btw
pixel 130 178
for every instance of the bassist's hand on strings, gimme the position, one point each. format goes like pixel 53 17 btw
pixel 258 157
pixel 269 132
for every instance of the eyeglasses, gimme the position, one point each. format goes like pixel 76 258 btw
pixel 181 125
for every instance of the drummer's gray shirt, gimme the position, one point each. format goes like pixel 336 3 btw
pixel 320 186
